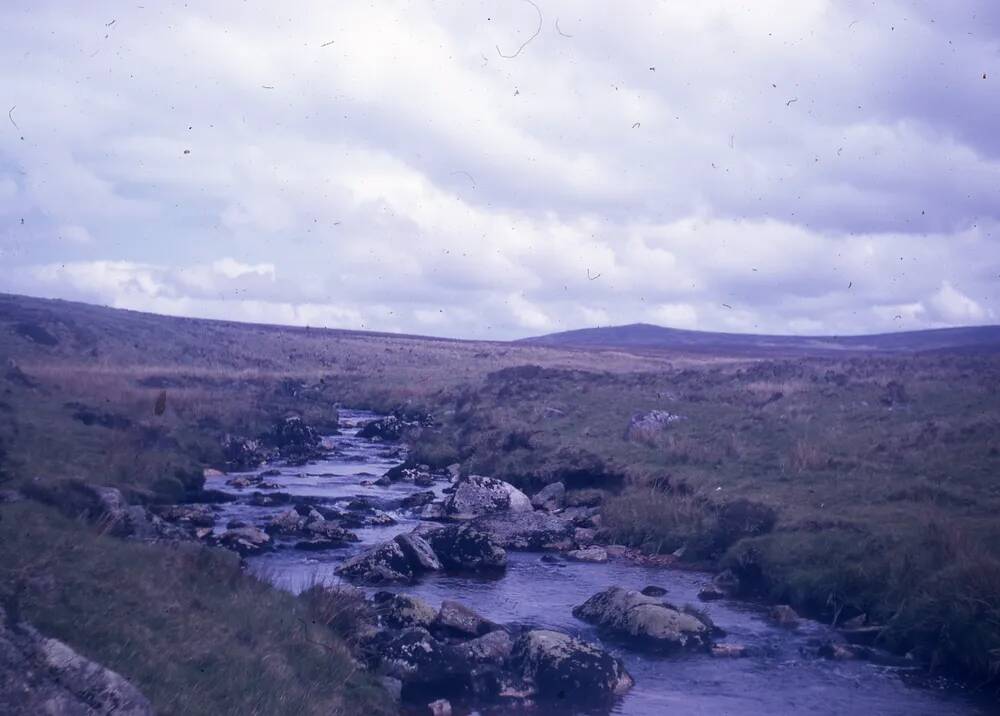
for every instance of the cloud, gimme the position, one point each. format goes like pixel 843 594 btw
pixel 810 167
pixel 952 306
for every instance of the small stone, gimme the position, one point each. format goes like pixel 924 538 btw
pixel 710 593
pixel 590 554
pixel 729 651
pixel 653 591
pixel 441 707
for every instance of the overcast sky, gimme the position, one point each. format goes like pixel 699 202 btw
pixel 789 166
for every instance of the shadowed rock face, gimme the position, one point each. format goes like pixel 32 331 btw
pixel 45 676
pixel 647 620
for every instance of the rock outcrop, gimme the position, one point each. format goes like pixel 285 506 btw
pixel 39 675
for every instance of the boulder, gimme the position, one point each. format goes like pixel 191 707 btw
pixel 39 675
pixel 417 659
pixel 433 511
pixel 294 440
pixel 329 531
pixel 457 619
pixel 387 428
pixel 289 522
pixel 242 453
pixel 550 497
pixel 590 554
pixel 464 547
pixel 784 615
pixel 194 515
pixel 646 620
pixel 525 530
pixel 401 611
pixel 491 648
pixel 710 593
pixel 419 552
pixel 479 495
pixel 383 563
pixel 418 499
pixel 555 666
pixel 401 559
pixel 645 427
pixel 439 707
pixel 246 540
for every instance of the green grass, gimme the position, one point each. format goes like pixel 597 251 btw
pixel 192 631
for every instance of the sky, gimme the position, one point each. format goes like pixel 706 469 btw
pixel 510 168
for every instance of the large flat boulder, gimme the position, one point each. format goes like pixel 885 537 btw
pixel 479 495
pixel 646 620
pixel 525 530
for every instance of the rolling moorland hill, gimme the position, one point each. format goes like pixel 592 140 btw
pixel 644 336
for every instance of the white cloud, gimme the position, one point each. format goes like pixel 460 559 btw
pixel 954 307
pixel 772 167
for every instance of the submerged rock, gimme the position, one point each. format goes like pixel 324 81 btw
pixel 556 666
pixel 483 496
pixel 646 620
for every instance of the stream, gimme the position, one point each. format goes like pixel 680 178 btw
pixel 777 679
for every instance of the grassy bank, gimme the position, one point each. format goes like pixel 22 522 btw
pixel 193 632
pixel 864 486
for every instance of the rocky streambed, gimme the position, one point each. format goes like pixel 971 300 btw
pixel 499 602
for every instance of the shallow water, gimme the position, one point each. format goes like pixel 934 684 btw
pixel 778 679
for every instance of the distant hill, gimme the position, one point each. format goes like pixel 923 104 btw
pixel 649 337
